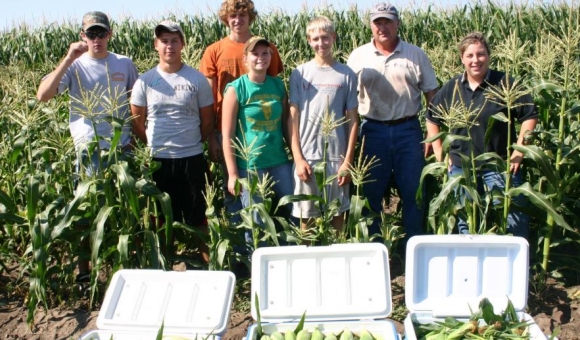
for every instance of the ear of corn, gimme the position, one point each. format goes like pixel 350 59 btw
pixel 317 335
pixel 346 335
pixel 303 335
pixel 289 336
pixel 330 336
pixel 365 335
pixel 278 336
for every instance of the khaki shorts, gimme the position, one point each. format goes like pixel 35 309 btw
pixel 307 209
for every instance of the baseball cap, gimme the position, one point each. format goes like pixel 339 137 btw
pixel 96 19
pixel 253 41
pixel 171 26
pixel 383 10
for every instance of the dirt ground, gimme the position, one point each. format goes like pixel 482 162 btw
pixel 556 308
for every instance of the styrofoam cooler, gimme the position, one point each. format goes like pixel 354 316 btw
pixel 448 275
pixel 189 304
pixel 338 286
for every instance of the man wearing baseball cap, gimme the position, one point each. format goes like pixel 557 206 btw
pixel 89 70
pixel 172 106
pixel 393 75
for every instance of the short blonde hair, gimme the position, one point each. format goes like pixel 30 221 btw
pixel 320 23
pixel 473 38
pixel 231 6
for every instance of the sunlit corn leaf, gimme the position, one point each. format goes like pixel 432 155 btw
pixel 543 202
pixel 67 214
pixel 127 182
pixel 542 161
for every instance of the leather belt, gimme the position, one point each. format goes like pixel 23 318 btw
pixel 392 122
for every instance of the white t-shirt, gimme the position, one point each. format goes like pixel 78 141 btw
pixel 98 89
pixel 173 101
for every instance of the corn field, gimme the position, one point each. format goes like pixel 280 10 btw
pixel 39 205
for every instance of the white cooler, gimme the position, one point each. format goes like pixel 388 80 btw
pixel 338 286
pixel 446 275
pixel 190 304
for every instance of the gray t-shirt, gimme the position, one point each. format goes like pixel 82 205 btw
pixel 99 88
pixel 314 89
pixel 173 101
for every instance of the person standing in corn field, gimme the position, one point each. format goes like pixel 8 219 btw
pixel 223 62
pixel 473 91
pixel 172 106
pixel 392 76
pixel 255 112
pixel 322 97
pixel 99 84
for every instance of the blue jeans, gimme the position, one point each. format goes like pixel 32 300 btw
pixel 399 153
pixel 518 222
pixel 88 165
pixel 283 185
pixel 232 204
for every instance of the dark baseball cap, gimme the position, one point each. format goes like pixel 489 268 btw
pixel 383 10
pixel 96 19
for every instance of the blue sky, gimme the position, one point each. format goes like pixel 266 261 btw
pixel 38 12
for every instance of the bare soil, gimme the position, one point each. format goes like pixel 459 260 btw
pixel 556 307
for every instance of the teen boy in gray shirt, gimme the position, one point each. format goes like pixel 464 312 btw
pixel 89 70
pixel 318 86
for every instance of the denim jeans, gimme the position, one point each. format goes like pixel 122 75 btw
pixel 517 221
pixel 88 165
pixel 232 204
pixel 399 153
pixel 283 185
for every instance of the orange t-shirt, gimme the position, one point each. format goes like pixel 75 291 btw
pixel 224 61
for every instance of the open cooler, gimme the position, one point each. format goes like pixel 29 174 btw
pixel 448 275
pixel 189 304
pixel 338 286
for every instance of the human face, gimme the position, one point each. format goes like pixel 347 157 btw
pixel 239 22
pixel 321 42
pixel 258 60
pixel 475 58
pixel 97 40
pixel 385 31
pixel 169 46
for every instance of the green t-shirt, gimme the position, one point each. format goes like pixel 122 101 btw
pixel 260 121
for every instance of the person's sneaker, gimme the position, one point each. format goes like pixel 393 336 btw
pixel 83 278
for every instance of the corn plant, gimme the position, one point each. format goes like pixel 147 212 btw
pixel 256 216
pixel 557 157
pixel 537 43
pixel 321 229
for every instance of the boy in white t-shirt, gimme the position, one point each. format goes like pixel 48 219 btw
pixel 317 86
pixel 173 109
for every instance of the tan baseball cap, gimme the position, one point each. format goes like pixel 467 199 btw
pixel 253 41
pixel 96 19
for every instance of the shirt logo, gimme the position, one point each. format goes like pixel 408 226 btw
pixel 118 76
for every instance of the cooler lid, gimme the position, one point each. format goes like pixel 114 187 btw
pixel 446 275
pixel 188 302
pixel 336 282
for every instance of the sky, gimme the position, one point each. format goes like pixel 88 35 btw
pixel 40 12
